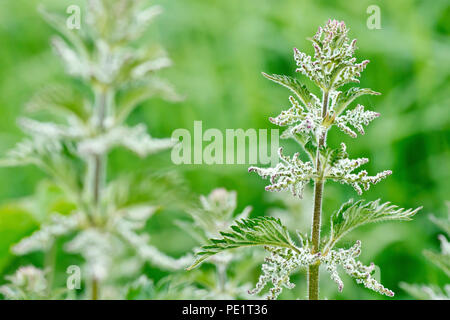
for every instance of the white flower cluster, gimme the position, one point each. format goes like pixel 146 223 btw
pixel 300 120
pixel 122 239
pixel 111 25
pixel 333 64
pixel 43 239
pixel 282 262
pixel 26 283
pixel 98 249
pixel 309 118
pixel 128 230
pixel 217 212
pixel 278 267
pixel 356 117
pixel 135 139
pixel 361 273
pixel 36 150
pixel 341 171
pixel 54 131
pixel 290 174
pixel 220 201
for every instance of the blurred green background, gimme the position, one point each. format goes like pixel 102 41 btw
pixel 219 48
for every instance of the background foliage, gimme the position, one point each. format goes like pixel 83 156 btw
pixel 219 49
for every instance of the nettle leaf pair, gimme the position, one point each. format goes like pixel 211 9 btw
pixel 113 76
pixel 307 121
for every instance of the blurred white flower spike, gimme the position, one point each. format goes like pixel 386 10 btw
pixel 27 283
pixel 117 76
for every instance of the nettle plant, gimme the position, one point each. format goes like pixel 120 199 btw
pixel 216 212
pixel 113 75
pixel 307 122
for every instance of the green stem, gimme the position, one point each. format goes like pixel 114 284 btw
pixel 94 289
pixel 313 271
pixel 50 261
pixel 221 276
pixel 96 178
pixel 98 162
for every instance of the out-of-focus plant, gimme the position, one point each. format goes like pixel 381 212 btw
pixel 215 213
pixel 294 212
pixel 27 283
pixel 307 122
pixel 441 260
pixel 172 287
pixel 113 75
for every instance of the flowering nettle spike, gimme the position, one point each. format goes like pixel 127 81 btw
pixel 308 121
pixel 333 64
pixel 288 175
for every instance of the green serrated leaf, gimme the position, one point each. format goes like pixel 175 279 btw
pixel 334 155
pixel 310 148
pixel 261 231
pixel 354 214
pixel 292 84
pixel 345 98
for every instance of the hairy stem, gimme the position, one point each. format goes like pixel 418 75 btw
pixel 97 170
pixel 313 271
